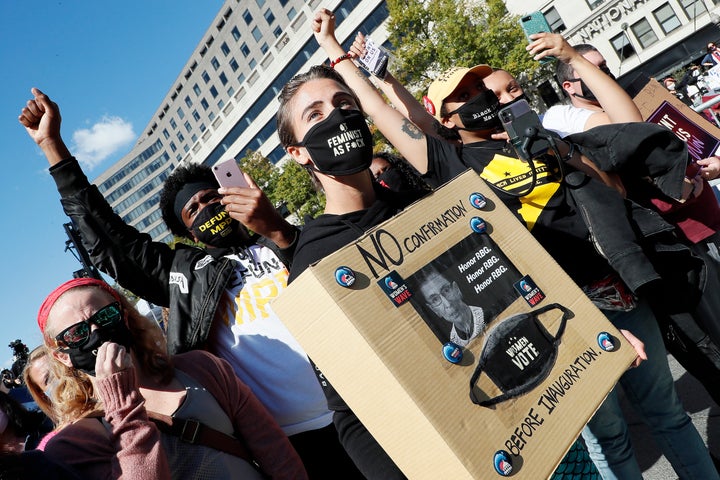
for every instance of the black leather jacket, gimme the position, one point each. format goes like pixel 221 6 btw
pixel 189 280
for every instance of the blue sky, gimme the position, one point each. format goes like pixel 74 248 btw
pixel 108 65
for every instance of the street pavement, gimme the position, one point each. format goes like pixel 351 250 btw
pixel 701 408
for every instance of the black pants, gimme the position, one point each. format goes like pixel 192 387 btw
pixel 365 451
pixel 323 455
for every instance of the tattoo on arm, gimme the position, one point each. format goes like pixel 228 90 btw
pixel 365 79
pixel 411 130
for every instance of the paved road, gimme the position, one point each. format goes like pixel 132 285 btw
pixel 701 408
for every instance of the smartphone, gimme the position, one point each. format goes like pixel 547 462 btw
pixel 522 124
pixel 228 174
pixel 535 22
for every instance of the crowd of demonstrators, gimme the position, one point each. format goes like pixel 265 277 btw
pixel 123 404
pixel 454 99
pixel 692 334
pixel 121 392
pixel 712 57
pixel 313 106
pixel 218 297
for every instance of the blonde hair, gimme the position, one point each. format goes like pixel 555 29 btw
pixel 75 396
pixel 39 396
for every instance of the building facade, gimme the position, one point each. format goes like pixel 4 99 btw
pixel 223 102
pixel 640 39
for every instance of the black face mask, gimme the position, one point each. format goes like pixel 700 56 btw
pixel 341 144
pixel 214 227
pixel 518 354
pixel 393 179
pixel 587 94
pixel 480 112
pixel 83 358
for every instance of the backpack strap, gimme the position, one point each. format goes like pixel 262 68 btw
pixel 196 433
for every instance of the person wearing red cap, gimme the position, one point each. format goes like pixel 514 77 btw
pixel 113 374
pixel 218 296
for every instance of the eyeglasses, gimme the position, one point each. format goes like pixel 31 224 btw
pixel 447 292
pixel 78 334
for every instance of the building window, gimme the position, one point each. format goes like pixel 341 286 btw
pixel 621 45
pixel 186 148
pixel 247 17
pixel 211 116
pixel 291 13
pixel 693 8
pixel 188 127
pixel 644 33
pixel 260 3
pixel 181 137
pixel 193 138
pixel 173 147
pixel 173 124
pixel 231 90
pixel 205 76
pixel 278 31
pixel 225 49
pixel 202 127
pixel 196 115
pixel 204 104
pixel 223 78
pixel 166 134
pixel 245 49
pixel 253 63
pixel 257 34
pixel 188 102
pixel 213 91
pixel 221 104
pixel 235 33
pixel 556 23
pixel 667 19
pixel 269 16
pixel 180 113
pixel 214 62
pixel 196 89
pixel 241 78
pixel 233 64
pixel 593 4
pixel 264 48
pixel 283 2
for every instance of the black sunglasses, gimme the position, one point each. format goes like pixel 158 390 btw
pixel 78 334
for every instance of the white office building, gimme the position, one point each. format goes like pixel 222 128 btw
pixel 224 100
pixel 638 38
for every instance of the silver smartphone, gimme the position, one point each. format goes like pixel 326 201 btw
pixel 228 174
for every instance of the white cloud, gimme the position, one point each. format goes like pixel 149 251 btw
pixel 93 145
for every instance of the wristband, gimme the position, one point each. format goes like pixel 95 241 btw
pixel 345 56
pixel 570 153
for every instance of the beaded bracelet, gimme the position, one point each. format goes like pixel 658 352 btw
pixel 345 56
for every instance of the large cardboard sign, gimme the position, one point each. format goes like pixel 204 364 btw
pixel 657 105
pixel 399 321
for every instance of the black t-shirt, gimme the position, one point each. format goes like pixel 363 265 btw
pixel 548 210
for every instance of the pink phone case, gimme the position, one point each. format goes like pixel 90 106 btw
pixel 228 174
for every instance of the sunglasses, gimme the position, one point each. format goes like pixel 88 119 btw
pixel 78 334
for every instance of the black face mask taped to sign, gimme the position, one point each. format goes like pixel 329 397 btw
pixel 341 144
pixel 518 354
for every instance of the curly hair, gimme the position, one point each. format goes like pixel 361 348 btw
pixel 74 396
pixel 408 171
pixel 174 183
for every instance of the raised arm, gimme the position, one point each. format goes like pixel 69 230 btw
pixel 401 132
pixel 399 96
pixel 617 105
pixel 41 119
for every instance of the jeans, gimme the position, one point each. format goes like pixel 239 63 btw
pixel 651 391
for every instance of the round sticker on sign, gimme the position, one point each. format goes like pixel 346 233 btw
pixel 344 276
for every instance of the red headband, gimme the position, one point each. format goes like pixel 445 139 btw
pixel 70 284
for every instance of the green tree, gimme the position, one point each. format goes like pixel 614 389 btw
pixel 262 171
pixel 295 188
pixel 430 36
